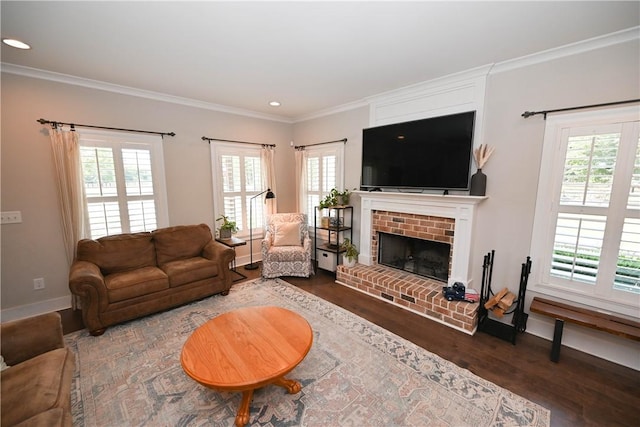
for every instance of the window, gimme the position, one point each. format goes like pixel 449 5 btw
pixel 124 182
pixel 238 176
pixel 324 172
pixel 587 222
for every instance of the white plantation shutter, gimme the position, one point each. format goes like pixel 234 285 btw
pixel 124 182
pixel 231 189
pixel 324 172
pixel 584 196
pixel 587 223
pixel 237 177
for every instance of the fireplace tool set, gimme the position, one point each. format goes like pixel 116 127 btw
pixel 502 303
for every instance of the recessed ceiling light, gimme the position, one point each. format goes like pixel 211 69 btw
pixel 274 103
pixel 16 43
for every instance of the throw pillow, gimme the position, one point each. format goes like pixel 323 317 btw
pixel 287 234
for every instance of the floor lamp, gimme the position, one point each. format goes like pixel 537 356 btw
pixel 270 195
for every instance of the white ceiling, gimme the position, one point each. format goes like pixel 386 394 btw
pixel 310 56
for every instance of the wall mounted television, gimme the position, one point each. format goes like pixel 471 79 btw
pixel 427 154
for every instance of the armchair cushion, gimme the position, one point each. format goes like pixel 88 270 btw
pixel 39 380
pixel 287 234
pixel 27 338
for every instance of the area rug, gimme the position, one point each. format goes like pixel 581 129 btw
pixel 356 374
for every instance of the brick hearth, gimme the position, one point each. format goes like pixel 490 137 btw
pixel 418 294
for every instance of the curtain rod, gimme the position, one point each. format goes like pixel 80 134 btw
pixel 527 114
pixel 73 125
pixel 205 138
pixel 301 147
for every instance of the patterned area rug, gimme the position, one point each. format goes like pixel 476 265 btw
pixel 356 374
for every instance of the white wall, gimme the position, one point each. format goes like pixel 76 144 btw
pixel 34 248
pixel 505 220
pixel 348 124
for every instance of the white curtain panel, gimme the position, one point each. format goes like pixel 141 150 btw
pixel 301 179
pixel 71 197
pixel 267 158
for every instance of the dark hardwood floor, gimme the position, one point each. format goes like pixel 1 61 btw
pixel 580 390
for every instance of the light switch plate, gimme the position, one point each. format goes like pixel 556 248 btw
pixel 11 217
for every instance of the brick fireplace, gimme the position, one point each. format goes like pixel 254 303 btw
pixel 447 219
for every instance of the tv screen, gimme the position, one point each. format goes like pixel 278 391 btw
pixel 432 153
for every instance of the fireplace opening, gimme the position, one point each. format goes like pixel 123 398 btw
pixel 427 258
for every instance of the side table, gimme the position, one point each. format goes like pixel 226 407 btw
pixel 233 243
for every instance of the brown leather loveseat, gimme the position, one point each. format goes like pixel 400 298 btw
pixel 126 276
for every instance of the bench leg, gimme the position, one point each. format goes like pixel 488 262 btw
pixel 557 340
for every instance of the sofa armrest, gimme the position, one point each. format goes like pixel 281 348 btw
pixel 306 243
pixel 26 338
pixel 266 244
pixel 86 280
pixel 216 251
pixel 223 255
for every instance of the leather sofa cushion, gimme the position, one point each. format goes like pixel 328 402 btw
pixel 122 252
pixel 180 242
pixel 56 417
pixel 131 284
pixel 190 270
pixel 36 386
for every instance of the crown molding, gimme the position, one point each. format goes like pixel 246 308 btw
pixel 436 84
pixel 611 39
pixel 618 37
pixel 126 90
pixel 332 110
pixel 582 46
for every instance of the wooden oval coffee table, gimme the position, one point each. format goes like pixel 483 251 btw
pixel 246 349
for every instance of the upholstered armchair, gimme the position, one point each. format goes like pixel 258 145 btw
pixel 286 247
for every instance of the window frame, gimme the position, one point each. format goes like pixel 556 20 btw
pixel 322 151
pixel 243 150
pixel 118 140
pixel 601 295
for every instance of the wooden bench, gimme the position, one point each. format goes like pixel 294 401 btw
pixel 589 318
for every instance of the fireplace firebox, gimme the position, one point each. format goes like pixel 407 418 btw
pixel 428 258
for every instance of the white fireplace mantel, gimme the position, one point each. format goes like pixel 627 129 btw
pixel 460 208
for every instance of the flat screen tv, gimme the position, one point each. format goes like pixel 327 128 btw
pixel 427 154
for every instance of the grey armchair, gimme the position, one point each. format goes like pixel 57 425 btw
pixel 286 247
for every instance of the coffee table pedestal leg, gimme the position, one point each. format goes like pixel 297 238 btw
pixel 243 412
pixel 292 386
pixel 243 416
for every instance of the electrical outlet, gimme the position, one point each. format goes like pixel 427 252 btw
pixel 13 217
pixel 38 283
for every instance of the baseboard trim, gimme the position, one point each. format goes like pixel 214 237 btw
pixel 30 310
